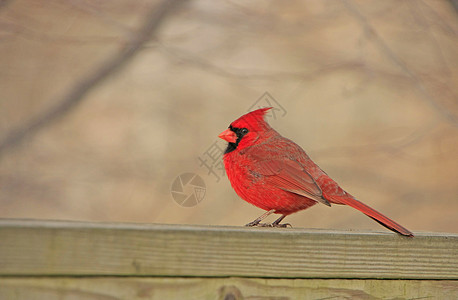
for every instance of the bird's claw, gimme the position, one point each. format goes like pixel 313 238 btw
pixel 282 225
pixel 255 223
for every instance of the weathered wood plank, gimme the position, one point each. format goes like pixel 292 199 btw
pixel 85 249
pixel 131 288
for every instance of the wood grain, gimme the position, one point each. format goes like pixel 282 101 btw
pixel 133 288
pixel 43 248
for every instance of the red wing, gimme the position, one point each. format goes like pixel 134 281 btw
pixel 290 176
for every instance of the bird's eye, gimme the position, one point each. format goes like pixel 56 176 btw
pixel 243 131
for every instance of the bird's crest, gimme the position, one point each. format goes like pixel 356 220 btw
pixel 254 120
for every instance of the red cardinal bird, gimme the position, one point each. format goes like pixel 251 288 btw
pixel 273 173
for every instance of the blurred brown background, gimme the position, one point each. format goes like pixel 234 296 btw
pixel 368 88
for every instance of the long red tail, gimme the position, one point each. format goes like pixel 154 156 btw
pixel 372 213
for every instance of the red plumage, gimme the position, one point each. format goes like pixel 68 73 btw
pixel 273 173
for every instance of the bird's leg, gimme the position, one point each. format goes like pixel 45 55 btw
pixel 258 220
pixel 276 223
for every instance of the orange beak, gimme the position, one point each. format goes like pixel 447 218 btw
pixel 228 135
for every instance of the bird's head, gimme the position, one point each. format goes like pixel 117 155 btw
pixel 246 130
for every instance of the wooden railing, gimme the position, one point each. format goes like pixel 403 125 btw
pixel 76 260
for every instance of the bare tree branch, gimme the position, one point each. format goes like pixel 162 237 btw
pixel 383 46
pixel 153 20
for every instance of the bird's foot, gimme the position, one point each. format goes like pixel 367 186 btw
pixel 276 223
pixel 258 224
